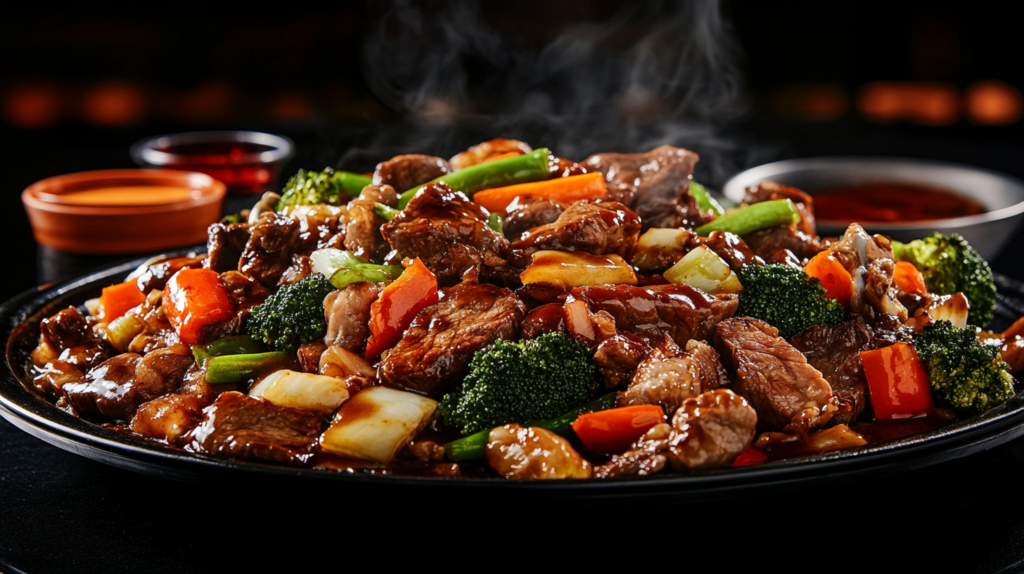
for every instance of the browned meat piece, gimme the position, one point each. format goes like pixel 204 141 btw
pixel 545 319
pixel 236 425
pixel 533 453
pixel 678 311
pixel 117 387
pixel 482 152
pixel 86 356
pixel 596 228
pixel 869 260
pixel 668 376
pixel 449 233
pixel 225 245
pixel 561 167
pixel 442 339
pixel 309 356
pixel 888 330
pixel 301 267
pixel 731 248
pixel 54 376
pixel 244 291
pixel 526 213
pixel 169 417
pixel 787 393
pixel 711 431
pixel 363 227
pixel 158 274
pixel 273 241
pixel 652 184
pixel 769 190
pixel 646 456
pixel 618 356
pixel 404 172
pixel 348 315
pixel 318 225
pixel 65 329
pixel 765 242
pixel 834 351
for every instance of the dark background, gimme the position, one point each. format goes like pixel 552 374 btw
pixel 79 86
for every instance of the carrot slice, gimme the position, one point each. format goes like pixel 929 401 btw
pixel 193 299
pixel 562 190
pixel 614 430
pixel 908 279
pixel 399 303
pixel 834 277
pixel 897 382
pixel 118 299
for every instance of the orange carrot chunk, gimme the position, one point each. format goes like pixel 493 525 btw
pixel 834 277
pixel 562 190
pixel 908 279
pixel 614 430
pixel 193 299
pixel 399 303
pixel 118 299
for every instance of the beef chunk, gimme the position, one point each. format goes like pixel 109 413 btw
pixel 668 376
pixel 485 151
pixel 273 241
pixel 834 351
pixel 236 425
pixel 404 172
pixel 618 356
pixel 442 339
pixel 449 233
pixel 348 315
pixel 116 387
pixel 169 417
pixel 787 392
pixel 729 247
pixel 596 228
pixel 652 184
pixel 66 329
pixel 765 243
pixel 158 274
pixel 678 311
pixel 769 191
pixel 244 291
pixel 300 268
pixel 547 318
pixel 526 213
pixel 363 227
pixel 225 245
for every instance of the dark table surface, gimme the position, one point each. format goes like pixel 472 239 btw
pixel 63 513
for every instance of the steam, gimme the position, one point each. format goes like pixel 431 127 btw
pixel 456 81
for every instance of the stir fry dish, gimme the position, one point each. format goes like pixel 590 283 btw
pixel 511 313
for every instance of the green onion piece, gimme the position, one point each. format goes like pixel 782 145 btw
pixel 352 183
pixel 525 168
pixel 384 212
pixel 704 200
pixel 365 272
pixel 233 218
pixel 234 368
pixel 238 345
pixel 494 222
pixel 754 217
pixel 475 445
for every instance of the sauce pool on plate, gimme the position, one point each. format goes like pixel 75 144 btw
pixel 891 202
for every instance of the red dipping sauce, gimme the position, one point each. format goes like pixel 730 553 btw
pixel 246 162
pixel 891 202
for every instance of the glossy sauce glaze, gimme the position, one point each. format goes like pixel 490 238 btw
pixel 890 202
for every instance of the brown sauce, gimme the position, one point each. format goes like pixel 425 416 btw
pixel 890 202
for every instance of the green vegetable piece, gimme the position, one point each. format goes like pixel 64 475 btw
pixel 292 316
pixel 368 272
pixel 384 212
pixel 950 265
pixel 235 368
pixel 704 200
pixel 321 187
pixel 965 375
pixel 475 445
pixel 786 298
pixel 494 222
pixel 237 345
pixel 520 381
pixel 754 217
pixel 525 168
pixel 233 218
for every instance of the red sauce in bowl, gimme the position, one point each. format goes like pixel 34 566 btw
pixel 890 202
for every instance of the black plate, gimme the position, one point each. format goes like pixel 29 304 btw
pixel 21 315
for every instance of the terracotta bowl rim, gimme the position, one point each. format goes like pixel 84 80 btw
pixel 212 191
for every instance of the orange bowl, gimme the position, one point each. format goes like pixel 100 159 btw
pixel 121 211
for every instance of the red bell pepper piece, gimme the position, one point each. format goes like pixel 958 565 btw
pixel 907 278
pixel 750 457
pixel 614 430
pixel 898 382
pixel 193 299
pixel 399 303
pixel 118 299
pixel 834 277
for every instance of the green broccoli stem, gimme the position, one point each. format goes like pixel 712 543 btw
pixel 754 217
pixel 237 345
pixel 352 183
pixel 475 445
pixel 525 168
pixel 234 368
pixel 704 200
pixel 384 212
pixel 494 222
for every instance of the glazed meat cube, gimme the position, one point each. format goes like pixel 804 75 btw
pixel 668 376
pixel 487 150
pixel 596 228
pixel 526 213
pixel 348 315
pixel 533 453
pixel 362 225
pixel 834 351
pixel 441 340
pixel 788 393
pixel 404 172
pixel 272 242
pixel 772 243
pixel 449 234
pixel 169 417
pixel 237 425
pixel 225 244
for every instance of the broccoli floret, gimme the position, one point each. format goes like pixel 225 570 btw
pixel 292 316
pixel 786 298
pixel 311 188
pixel 949 266
pixel 964 374
pixel 520 381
